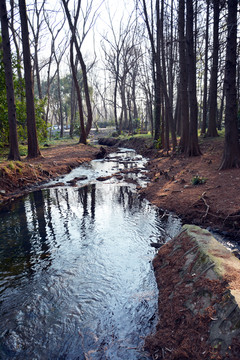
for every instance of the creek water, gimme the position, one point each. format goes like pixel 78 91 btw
pixel 76 280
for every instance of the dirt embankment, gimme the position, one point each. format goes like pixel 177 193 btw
pixel 214 203
pixel 18 177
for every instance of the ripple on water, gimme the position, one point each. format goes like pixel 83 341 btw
pixel 76 275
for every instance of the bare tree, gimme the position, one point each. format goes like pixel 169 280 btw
pixel 54 30
pixel 73 29
pixel 16 41
pixel 159 83
pixel 36 29
pixel 83 137
pixel 13 139
pixel 115 62
pixel 33 148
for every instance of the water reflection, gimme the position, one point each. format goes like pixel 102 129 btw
pixel 75 274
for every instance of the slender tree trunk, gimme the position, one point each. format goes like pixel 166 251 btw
pixel 82 63
pixel 220 118
pixel 36 62
pixel 193 147
pixel 231 154
pixel 86 91
pixel 204 117
pixel 177 113
pixel 183 83
pixel 163 133
pixel 83 138
pixel 157 77
pixel 19 71
pixel 124 104
pixel 33 148
pixel 59 100
pixel 13 138
pixel 212 123
pixel 171 64
pixel 159 83
pixel 73 108
pixel 115 106
pixel 135 111
pixel 165 122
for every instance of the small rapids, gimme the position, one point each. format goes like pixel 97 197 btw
pixel 76 280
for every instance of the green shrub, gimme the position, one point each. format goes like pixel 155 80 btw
pixel 198 180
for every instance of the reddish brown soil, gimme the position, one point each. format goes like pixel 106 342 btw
pixel 216 203
pixel 17 178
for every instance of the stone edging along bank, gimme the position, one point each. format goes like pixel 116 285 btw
pixel 199 299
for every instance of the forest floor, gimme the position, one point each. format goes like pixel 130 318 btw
pixel 215 203
pixel 195 189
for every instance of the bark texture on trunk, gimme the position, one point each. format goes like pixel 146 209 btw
pixel 212 125
pixel 33 148
pixel 183 83
pixel 193 147
pixel 13 138
pixel 231 155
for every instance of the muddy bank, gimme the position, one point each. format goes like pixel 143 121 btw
pixel 19 177
pixel 199 298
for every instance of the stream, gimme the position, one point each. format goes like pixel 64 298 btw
pixel 76 280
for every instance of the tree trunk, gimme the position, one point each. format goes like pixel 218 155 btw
pixel 125 124
pixel 115 106
pixel 183 83
pixel 83 138
pixel 212 125
pixel 82 63
pixel 86 90
pixel 36 62
pixel 13 139
pixel 33 149
pixel 220 118
pixel 73 108
pixel 59 100
pixel 19 70
pixel 193 147
pixel 204 117
pixel 157 77
pixel 231 154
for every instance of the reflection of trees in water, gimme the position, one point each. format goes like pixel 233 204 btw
pixel 63 214
pixel 35 225
pixel 93 201
pixel 36 214
pixel 40 216
pixel 15 246
pixel 49 215
pixel 128 199
pixel 83 194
